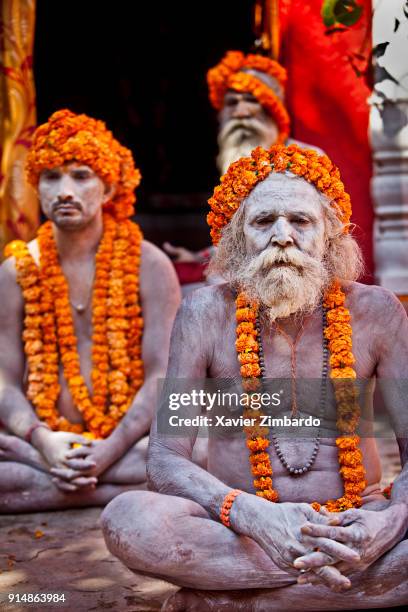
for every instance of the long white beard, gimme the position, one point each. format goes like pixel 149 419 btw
pixel 231 152
pixel 283 289
pixel 240 136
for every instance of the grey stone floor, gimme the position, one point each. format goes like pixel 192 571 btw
pixel 64 552
pixel 70 557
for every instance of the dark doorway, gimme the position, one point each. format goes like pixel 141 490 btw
pixel 141 66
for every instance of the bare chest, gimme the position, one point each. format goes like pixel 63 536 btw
pixel 228 460
pixel 290 367
pixel 283 359
pixel 83 332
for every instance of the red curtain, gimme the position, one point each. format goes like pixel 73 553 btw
pixel 327 100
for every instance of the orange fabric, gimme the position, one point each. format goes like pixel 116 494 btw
pixel 19 209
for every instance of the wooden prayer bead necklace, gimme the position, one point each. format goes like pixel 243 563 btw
pixel 295 471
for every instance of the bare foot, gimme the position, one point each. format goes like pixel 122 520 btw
pixel 189 600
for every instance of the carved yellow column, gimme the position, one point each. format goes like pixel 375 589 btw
pixel 18 202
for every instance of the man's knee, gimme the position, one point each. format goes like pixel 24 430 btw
pixel 142 529
pixel 131 524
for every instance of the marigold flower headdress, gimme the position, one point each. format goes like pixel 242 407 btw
pixel 231 73
pixel 243 175
pixel 69 137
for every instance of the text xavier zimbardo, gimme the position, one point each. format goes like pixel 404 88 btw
pixel 256 401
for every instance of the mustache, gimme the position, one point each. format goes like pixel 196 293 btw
pixel 250 124
pixel 290 256
pixel 60 204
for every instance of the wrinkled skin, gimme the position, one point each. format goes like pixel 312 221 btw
pixel 49 473
pixel 267 542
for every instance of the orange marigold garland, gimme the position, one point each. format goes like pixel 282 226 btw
pixel 242 176
pixel 49 334
pixel 231 73
pixel 338 332
pixel 134 310
pixel 38 336
pixel 257 437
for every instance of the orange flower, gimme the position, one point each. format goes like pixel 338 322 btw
pixel 245 314
pixel 258 444
pixel 348 443
pixel 248 357
pixel 251 384
pixel 117 368
pixel 243 175
pixel 250 370
pixel 346 394
pixel 262 469
pixel 231 73
pixel 259 457
pixel 268 494
pixel 69 137
pixel 247 329
pixel 246 343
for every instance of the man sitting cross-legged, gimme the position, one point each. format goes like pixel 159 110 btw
pixel 290 303
pixel 87 309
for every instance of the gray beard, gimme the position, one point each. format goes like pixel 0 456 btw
pixel 240 136
pixel 231 152
pixel 282 290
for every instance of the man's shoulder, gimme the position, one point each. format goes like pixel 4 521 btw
pixel 209 301
pixel 158 279
pixel 371 299
pixel 8 270
pixel 151 254
pixel 155 263
pixel 8 273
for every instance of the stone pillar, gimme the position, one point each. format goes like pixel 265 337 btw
pixel 389 139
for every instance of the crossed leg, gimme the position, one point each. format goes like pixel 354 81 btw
pixel 26 484
pixel 175 539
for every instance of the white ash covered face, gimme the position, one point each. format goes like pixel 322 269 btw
pixel 285 245
pixel 72 195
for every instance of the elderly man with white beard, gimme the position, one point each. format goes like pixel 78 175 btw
pixel 247 91
pixel 290 307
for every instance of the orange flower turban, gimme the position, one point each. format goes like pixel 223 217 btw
pixel 243 175
pixel 235 72
pixel 70 137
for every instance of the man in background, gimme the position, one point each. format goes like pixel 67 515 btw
pixel 248 93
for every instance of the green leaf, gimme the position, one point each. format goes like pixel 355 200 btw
pixel 346 12
pixel 327 12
